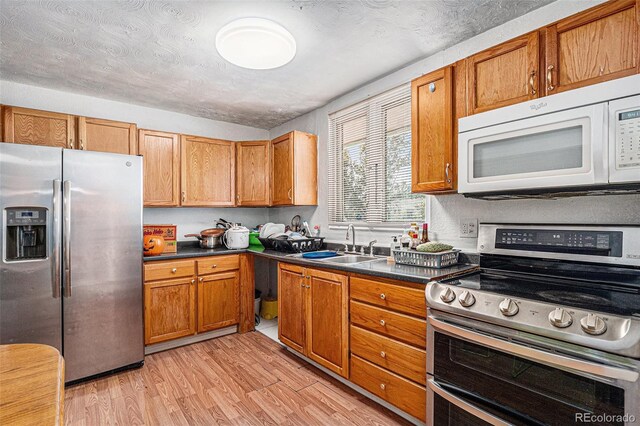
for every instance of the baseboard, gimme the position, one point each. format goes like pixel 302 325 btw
pixel 159 347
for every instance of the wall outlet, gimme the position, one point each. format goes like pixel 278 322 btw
pixel 468 228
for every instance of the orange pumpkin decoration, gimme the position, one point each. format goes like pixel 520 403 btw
pixel 153 245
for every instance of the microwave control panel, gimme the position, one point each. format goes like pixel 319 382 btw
pixel 628 138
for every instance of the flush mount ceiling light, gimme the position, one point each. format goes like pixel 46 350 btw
pixel 256 43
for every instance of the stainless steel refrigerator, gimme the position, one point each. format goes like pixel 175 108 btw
pixel 71 264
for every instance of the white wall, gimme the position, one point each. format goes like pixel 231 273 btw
pixel 189 220
pixel 447 210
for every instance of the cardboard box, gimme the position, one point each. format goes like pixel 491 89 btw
pixel 168 232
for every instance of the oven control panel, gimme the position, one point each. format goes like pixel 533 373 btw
pixel 595 243
pixel 596 330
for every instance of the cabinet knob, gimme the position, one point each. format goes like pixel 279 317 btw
pixel 214 266
pixel 174 270
pixel 193 281
pixel 308 286
pixel 383 296
pixel 81 144
pixel 302 285
pixel 184 196
pixel 382 322
pixel 383 354
pixel 383 386
pixel 200 279
pixel 308 277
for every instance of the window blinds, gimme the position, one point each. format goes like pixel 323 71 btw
pixel 370 162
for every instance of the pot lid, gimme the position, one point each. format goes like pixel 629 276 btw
pixel 212 232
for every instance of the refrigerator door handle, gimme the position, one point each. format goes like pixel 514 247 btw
pixel 66 237
pixel 57 230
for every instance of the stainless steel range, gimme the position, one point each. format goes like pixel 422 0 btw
pixel 548 332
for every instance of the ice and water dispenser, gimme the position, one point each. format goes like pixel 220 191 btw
pixel 25 233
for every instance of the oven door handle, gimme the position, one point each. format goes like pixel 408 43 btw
pixel 556 360
pixel 464 405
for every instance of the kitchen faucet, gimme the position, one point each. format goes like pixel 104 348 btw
pixel 351 229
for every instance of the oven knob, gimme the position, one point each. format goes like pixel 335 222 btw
pixel 508 307
pixel 466 299
pixel 593 324
pixel 560 318
pixel 447 295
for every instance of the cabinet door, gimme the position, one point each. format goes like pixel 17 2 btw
pixel 253 173
pixel 169 310
pixel 599 44
pixel 218 301
pixel 106 136
pixel 208 172
pixel 503 75
pixel 34 127
pixel 161 159
pixel 282 170
pixel 328 321
pixel 291 306
pixel 432 159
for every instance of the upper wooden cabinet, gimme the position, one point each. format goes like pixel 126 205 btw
pixel 504 74
pixel 106 136
pixel 432 159
pixel 599 44
pixel 294 170
pixel 207 172
pixel 34 127
pixel 253 161
pixel 161 160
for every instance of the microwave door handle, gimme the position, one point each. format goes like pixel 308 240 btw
pixel 56 231
pixel 66 237
pixel 464 405
pixel 559 361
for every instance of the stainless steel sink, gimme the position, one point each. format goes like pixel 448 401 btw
pixel 349 258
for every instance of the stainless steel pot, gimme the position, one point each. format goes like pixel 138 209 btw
pixel 209 238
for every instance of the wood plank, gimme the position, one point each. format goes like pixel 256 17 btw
pixel 222 381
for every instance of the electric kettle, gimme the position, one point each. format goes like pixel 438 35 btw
pixel 236 237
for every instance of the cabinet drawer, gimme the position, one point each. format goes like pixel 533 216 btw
pixel 403 327
pixel 213 265
pixel 409 300
pixel 402 393
pixel 154 271
pixel 398 357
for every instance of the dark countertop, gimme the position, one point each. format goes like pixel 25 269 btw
pixel 377 268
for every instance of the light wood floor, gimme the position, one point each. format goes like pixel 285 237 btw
pixel 243 379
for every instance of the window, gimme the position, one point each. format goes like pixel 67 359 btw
pixel 370 162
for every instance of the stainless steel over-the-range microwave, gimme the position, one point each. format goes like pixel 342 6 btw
pixel 583 140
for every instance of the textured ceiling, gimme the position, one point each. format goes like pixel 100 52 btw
pixel 162 53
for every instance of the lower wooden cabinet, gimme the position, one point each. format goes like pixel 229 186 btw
pixel 169 310
pixel 404 394
pixel 218 301
pixel 313 315
pixel 179 302
pixel 388 341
